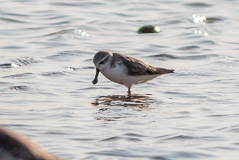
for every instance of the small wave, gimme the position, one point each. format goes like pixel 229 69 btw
pixel 20 88
pixel 77 68
pixel 16 14
pixel 202 19
pixel 188 48
pixel 191 155
pixel 20 62
pixel 12 20
pixel 64 54
pixel 115 138
pixel 25 61
pixel 52 74
pixel 213 19
pixel 164 56
pixel 73 31
pixel 198 4
pixel 80 3
pixel 191 57
pixel 128 154
pixel 134 135
pixel 63 31
pixel 180 137
pixel 12 47
pixel 9 65
pixel 18 75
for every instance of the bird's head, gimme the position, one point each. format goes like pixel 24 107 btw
pixel 101 61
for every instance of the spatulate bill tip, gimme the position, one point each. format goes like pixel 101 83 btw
pixel 95 81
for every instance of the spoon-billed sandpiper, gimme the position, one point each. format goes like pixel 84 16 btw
pixel 124 69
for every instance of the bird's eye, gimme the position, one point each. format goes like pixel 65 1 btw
pixel 102 62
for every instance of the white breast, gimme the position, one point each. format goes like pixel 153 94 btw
pixel 119 75
pixel 116 74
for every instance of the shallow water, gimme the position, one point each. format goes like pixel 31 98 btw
pixel 46 68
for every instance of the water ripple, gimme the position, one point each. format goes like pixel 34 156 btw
pixel 198 4
pixel 21 75
pixel 127 154
pixel 214 19
pixel 46 72
pixel 52 74
pixel 11 20
pixel 116 138
pixel 64 54
pixel 68 4
pixel 20 88
pixel 26 61
pixel 189 57
pixel 9 65
pixel 189 48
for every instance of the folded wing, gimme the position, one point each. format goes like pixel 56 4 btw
pixel 137 67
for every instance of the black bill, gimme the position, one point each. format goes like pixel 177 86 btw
pixel 96 76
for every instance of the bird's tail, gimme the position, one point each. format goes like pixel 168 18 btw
pixel 164 71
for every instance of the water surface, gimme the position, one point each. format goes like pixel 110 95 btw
pixel 46 69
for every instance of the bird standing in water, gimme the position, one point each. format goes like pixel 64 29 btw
pixel 124 69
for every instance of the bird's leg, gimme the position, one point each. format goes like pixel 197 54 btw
pixel 129 92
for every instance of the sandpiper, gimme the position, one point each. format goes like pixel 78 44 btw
pixel 124 69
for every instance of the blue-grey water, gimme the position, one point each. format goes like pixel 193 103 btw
pixel 46 73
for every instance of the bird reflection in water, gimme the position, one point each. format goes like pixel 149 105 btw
pixel 112 107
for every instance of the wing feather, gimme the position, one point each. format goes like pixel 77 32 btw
pixel 137 67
